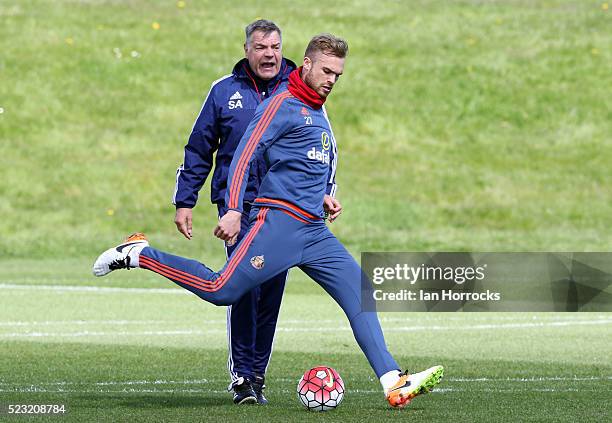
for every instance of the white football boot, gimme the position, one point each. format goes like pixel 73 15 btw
pixel 409 386
pixel 123 256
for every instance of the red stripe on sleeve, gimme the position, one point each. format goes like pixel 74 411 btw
pixel 260 129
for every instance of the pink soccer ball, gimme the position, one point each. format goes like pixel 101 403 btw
pixel 320 389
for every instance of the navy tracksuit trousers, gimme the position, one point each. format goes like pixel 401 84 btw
pixel 252 320
pixel 275 242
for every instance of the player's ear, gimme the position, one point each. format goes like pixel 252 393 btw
pixel 307 64
pixel 245 50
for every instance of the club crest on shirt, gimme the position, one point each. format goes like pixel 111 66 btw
pixel 325 142
pixel 257 262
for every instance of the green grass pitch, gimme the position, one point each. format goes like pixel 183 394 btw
pixel 462 125
pixel 131 346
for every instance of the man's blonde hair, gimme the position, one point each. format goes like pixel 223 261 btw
pixel 327 44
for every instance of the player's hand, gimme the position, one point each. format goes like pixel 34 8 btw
pixel 332 207
pixel 228 227
pixel 182 219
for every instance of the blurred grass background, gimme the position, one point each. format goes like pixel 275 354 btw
pixel 465 125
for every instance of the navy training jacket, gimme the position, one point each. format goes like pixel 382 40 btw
pixel 298 146
pixel 223 119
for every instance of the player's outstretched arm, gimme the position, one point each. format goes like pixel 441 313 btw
pixel 198 155
pixel 197 164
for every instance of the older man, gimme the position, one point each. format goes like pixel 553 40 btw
pixel 225 115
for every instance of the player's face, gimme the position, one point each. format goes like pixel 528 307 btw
pixel 322 72
pixel 264 53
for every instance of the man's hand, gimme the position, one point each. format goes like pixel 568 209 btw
pixel 182 219
pixel 332 207
pixel 228 227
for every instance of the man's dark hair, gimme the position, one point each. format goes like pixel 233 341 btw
pixel 263 25
pixel 327 44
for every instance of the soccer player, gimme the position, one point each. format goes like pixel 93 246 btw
pixel 225 115
pixel 286 228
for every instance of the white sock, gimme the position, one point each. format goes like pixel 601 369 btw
pixel 389 379
pixel 134 254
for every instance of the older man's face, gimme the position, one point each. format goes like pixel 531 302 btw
pixel 264 53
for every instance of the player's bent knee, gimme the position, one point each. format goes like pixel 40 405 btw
pixel 223 297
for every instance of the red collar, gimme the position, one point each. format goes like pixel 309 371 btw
pixel 303 92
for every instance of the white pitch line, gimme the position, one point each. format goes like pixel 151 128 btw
pixel 289 380
pixel 190 332
pixel 133 382
pixel 36 389
pixel 466 318
pixel 531 379
pixel 87 322
pixel 95 333
pixel 506 325
pixel 159 382
pixel 95 289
